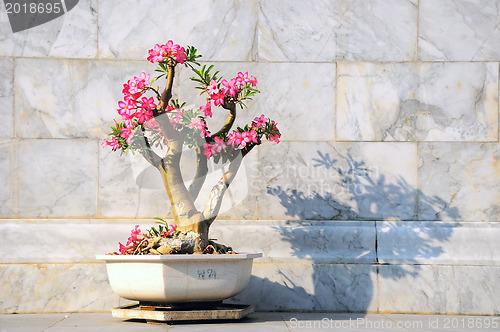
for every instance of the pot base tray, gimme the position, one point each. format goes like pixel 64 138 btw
pixel 164 313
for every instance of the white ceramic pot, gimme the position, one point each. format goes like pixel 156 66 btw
pixel 178 278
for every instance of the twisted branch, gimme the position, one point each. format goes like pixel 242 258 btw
pixel 217 193
pixel 201 173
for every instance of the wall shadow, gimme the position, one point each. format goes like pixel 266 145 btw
pixel 348 284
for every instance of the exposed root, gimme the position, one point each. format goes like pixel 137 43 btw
pixel 182 243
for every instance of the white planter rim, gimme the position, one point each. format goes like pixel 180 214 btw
pixel 179 257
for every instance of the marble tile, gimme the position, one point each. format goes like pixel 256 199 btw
pixel 287 33
pixel 459 30
pixel 417 102
pixel 7 97
pixel 73 35
pixel 377 30
pixel 220 30
pixel 350 287
pixel 440 289
pixel 85 107
pixel 56 288
pixel 57 178
pixel 344 181
pixel 8 190
pixel 45 108
pixel 63 240
pixel 301 241
pixel 316 31
pixel 436 242
pixel 459 181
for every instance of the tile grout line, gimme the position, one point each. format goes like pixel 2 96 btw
pixel 417 52
pixel 15 144
pixel 57 322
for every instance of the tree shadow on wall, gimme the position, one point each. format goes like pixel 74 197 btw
pixel 343 262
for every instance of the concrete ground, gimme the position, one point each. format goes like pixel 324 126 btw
pixel 259 321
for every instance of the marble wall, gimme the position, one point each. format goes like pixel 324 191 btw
pixel 383 196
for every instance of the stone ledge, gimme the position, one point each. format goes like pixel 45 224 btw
pixel 281 241
pixel 436 242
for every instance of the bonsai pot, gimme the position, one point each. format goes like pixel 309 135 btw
pixel 178 278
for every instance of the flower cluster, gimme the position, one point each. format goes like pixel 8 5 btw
pixel 217 91
pixel 132 242
pixel 241 137
pixel 134 109
pixel 160 53
pixel 137 239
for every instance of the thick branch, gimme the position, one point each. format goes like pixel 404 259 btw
pixel 217 193
pixel 159 112
pixel 145 149
pixel 201 173
pixel 229 120
pixel 166 95
pixel 180 198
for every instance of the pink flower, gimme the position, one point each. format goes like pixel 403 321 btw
pixel 261 122
pixel 197 123
pixel 212 89
pixel 208 150
pixel 129 122
pixel 276 135
pixel 170 47
pixel 143 115
pixel 114 143
pixel 148 103
pixel 156 54
pixel 248 136
pixel 252 135
pixel 207 109
pixel 275 138
pixel 234 138
pixel 230 87
pixel 242 78
pixel 218 98
pixel 171 231
pixel 144 79
pixel 128 133
pixel 134 232
pixel 253 81
pixel 122 248
pixel 126 108
pixel 205 133
pixel 219 144
pixel 180 57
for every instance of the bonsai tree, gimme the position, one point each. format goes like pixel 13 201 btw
pixel 159 127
